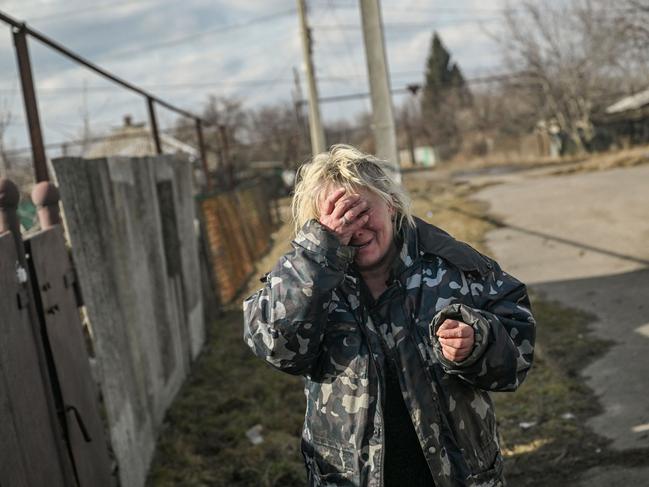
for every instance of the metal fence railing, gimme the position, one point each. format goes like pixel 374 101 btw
pixel 21 31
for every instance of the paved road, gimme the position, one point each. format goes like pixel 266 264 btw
pixel 583 240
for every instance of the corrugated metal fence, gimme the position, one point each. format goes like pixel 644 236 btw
pixel 238 226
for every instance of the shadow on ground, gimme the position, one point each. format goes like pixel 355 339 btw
pixel 561 424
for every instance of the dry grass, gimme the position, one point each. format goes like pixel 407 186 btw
pixel 609 160
pixel 558 166
pixel 229 392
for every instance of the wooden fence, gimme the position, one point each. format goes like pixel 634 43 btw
pixel 50 424
pixel 238 226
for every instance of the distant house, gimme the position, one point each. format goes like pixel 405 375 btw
pixel 135 140
pixel 626 121
pixel 425 156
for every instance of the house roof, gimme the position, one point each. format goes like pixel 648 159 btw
pixel 136 141
pixel 631 102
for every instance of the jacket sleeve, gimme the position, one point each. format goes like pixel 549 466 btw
pixel 284 322
pixel 504 330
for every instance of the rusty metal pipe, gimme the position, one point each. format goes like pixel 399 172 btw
pixel 201 147
pixel 31 105
pixel 153 122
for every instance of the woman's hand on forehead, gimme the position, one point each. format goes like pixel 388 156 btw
pixel 343 213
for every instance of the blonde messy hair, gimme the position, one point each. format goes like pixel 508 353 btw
pixel 347 167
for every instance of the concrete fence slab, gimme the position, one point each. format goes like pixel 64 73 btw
pixel 131 227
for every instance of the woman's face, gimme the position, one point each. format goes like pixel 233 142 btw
pixel 374 239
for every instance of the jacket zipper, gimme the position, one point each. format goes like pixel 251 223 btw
pixel 442 417
pixel 379 373
pixel 379 405
pixel 388 356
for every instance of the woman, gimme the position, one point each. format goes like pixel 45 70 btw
pixel 398 329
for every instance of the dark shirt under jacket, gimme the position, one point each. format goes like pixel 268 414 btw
pixel 404 462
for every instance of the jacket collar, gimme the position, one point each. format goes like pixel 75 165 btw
pixel 434 241
pixel 408 251
pixel 427 241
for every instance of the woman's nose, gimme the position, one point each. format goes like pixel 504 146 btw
pixel 359 233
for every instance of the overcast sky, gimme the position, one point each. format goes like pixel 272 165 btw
pixel 185 50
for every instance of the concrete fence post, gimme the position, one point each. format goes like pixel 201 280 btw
pixel 46 197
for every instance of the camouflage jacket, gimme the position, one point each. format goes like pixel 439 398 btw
pixel 310 320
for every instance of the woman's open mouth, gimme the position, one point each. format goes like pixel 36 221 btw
pixel 363 245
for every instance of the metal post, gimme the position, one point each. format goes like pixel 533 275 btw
pixel 227 163
pixel 31 105
pixel 413 89
pixel 45 196
pixel 153 122
pixel 201 148
pixel 302 123
pixel 317 131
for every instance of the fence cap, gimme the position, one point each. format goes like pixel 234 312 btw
pixel 45 194
pixel 9 194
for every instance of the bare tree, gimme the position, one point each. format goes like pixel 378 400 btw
pixel 274 134
pixel 229 113
pixel 573 56
pixel 633 18
pixel 358 132
pixel 225 127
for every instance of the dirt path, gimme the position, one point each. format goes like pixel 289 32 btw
pixel 581 240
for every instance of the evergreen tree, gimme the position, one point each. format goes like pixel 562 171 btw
pixel 444 80
pixel 445 92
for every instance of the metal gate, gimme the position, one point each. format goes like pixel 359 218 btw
pixel 50 424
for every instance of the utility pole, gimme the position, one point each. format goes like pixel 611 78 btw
pixel 413 89
pixel 315 124
pixel 302 128
pixel 377 69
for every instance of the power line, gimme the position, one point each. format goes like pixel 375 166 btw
pixel 409 25
pixel 348 44
pixel 216 85
pixel 61 49
pixel 390 7
pixel 189 37
pixel 415 86
pixel 82 11
pixel 207 84
pixel 338 98
pixel 396 6
pixel 195 35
